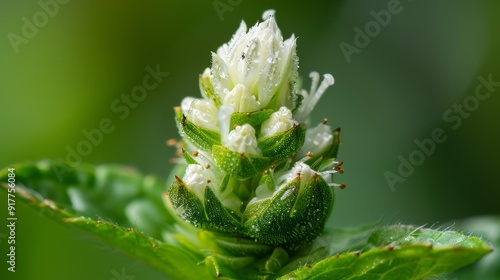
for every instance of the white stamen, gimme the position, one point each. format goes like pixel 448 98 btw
pixel 314 98
pixel 315 79
pixel 311 99
pixel 302 160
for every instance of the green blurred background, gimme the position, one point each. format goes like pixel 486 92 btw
pixel 395 90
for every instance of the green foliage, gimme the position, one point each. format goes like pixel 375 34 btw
pixel 399 252
pixel 124 208
pixel 115 203
pixel 488 227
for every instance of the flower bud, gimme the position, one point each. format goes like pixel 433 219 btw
pixel 200 112
pixel 260 60
pixel 197 202
pixel 279 121
pixel 318 140
pixel 240 156
pixel 281 135
pixel 299 207
pixel 207 88
pixel 195 179
pixel 241 99
pixel 242 140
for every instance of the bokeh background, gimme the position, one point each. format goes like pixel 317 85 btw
pixel 393 91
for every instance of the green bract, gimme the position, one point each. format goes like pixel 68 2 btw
pixel 252 166
pixel 298 209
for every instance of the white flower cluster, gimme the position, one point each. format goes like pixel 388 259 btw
pixel 256 70
pixel 250 145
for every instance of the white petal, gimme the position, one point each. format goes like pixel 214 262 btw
pixel 186 104
pixel 220 76
pixel 241 99
pixel 240 33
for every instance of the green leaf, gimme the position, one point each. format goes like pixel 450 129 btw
pixel 104 191
pixel 277 259
pixel 330 242
pixel 238 246
pixel 109 193
pixel 488 227
pixel 399 252
pixel 174 261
